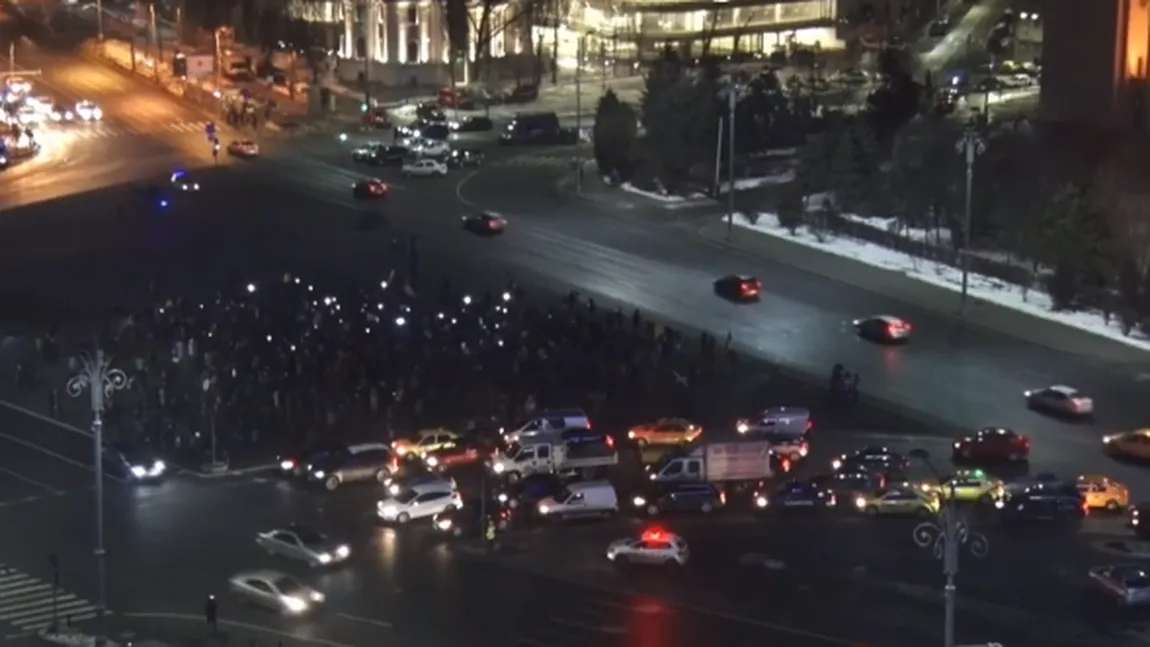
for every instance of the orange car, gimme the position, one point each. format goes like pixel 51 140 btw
pixel 1103 493
pixel 665 431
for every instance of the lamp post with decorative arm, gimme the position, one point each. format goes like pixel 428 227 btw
pixel 101 381
pixel 945 540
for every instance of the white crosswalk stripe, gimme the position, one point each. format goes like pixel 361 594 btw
pixel 537 161
pixel 30 604
pixel 102 130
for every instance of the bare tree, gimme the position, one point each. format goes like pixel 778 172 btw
pixel 464 29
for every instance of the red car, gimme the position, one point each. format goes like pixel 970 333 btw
pixel 992 444
pixel 455 456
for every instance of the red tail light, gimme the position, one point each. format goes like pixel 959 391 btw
pixel 610 442
pixel 810 425
pixel 1026 441
pixel 1085 509
pixel 786 465
pixel 723 497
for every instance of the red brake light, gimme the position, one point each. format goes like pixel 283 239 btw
pixel 786 464
pixel 723 497
pixel 610 442
pixel 654 534
pixel 810 425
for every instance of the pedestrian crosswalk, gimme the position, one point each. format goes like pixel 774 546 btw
pixel 31 604
pixel 104 130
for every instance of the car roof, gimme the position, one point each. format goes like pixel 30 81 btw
pixel 794 411
pixel 589 485
pixel 262 574
pixel 366 447
pixel 1093 478
pixel 887 318
pixel 1062 388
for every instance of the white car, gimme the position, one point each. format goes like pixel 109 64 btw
pixel 274 590
pixel 305 544
pixel 1060 399
pixel 424 168
pixel 421 483
pixel 652 547
pixel 1127 584
pixel 29 115
pixel 89 111
pixel 243 148
pixel 429 147
pixel 18 86
pixel 414 504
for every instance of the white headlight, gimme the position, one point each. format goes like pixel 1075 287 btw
pixel 639 501
pixel 743 428
pixel 293 604
pixel 158 468
pixel 761 501
pixel 860 502
pixel 319 474
pixel 498 468
pixel 389 511
pixel 502 497
pixel 543 509
pixel 443 524
pixel 393 489
pixel 432 461
pixel 324 558
pixel 138 471
pixel 286 465
pixel 343 551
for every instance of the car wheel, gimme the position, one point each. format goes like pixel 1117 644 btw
pixel 706 508
pixel 403 518
pixel 1112 506
pixel 872 510
pixel 331 483
pixel 513 477
pixel 382 475
pixel 652 510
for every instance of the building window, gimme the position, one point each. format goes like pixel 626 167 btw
pixel 413 15
pixel 360 47
pixel 413 51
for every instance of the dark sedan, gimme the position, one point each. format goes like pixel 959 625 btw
pixel 794 496
pixel 740 288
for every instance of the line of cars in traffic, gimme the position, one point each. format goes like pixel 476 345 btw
pixel 556 466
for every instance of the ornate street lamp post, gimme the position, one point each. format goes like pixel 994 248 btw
pixel 101 381
pixel 944 539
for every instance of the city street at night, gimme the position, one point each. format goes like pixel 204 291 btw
pixel 101 230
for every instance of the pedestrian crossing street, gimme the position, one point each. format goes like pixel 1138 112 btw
pixel 105 130
pixel 30 604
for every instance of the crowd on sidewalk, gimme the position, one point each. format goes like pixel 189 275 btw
pixel 294 361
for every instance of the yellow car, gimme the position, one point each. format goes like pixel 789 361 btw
pixel 969 486
pixel 424 441
pixel 901 499
pixel 1101 492
pixel 1131 444
pixel 665 431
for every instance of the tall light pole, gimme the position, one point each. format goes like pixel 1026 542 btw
pixel 732 101
pixel 101 381
pixel 945 541
pixel 100 20
pixel 969 146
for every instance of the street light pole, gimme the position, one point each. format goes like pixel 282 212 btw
pixel 579 110
pixel 101 381
pixel 970 146
pixel 732 99
pixel 100 20
pixel 945 542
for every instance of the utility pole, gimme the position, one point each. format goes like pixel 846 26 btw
pixel 970 146
pixel 578 112
pixel 219 55
pixel 155 39
pixel 12 58
pixel 555 43
pixel 100 20
pixel 732 99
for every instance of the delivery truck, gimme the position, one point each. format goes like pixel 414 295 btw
pixel 737 462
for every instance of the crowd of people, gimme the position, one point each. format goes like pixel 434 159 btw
pixel 292 362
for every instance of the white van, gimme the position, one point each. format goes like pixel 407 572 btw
pixel 586 499
pixel 543 422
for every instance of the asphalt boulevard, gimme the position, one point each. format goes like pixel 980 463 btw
pixel 961 377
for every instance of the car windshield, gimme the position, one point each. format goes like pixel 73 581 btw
pixel 407 496
pixel 513 449
pixel 289 586
pixel 562 494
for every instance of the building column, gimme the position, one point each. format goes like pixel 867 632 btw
pixel 371 28
pixel 401 30
pixel 347 48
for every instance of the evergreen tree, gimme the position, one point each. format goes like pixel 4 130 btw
pixel 613 136
pixel 846 176
pixel 668 110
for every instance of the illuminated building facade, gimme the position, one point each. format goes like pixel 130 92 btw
pixel 1094 63
pixel 412 32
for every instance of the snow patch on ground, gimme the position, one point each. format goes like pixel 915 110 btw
pixel 746 183
pixel 988 289
pixel 661 197
pixel 939 237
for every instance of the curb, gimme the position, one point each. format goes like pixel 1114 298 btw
pixel 221 470
pixel 564 189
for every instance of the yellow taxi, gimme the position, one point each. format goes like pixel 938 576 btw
pixel 1102 493
pixel 902 499
pixel 1130 444
pixel 968 486
pixel 665 431
pixel 425 441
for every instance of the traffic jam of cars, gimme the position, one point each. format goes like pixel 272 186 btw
pixel 557 467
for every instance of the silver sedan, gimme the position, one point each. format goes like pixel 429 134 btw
pixel 276 591
pixel 303 544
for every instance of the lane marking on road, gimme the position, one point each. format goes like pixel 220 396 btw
pixel 43 418
pixel 48 452
pixel 238 625
pixel 31 481
pixel 371 621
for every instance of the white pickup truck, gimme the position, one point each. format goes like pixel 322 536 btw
pixel 588 459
